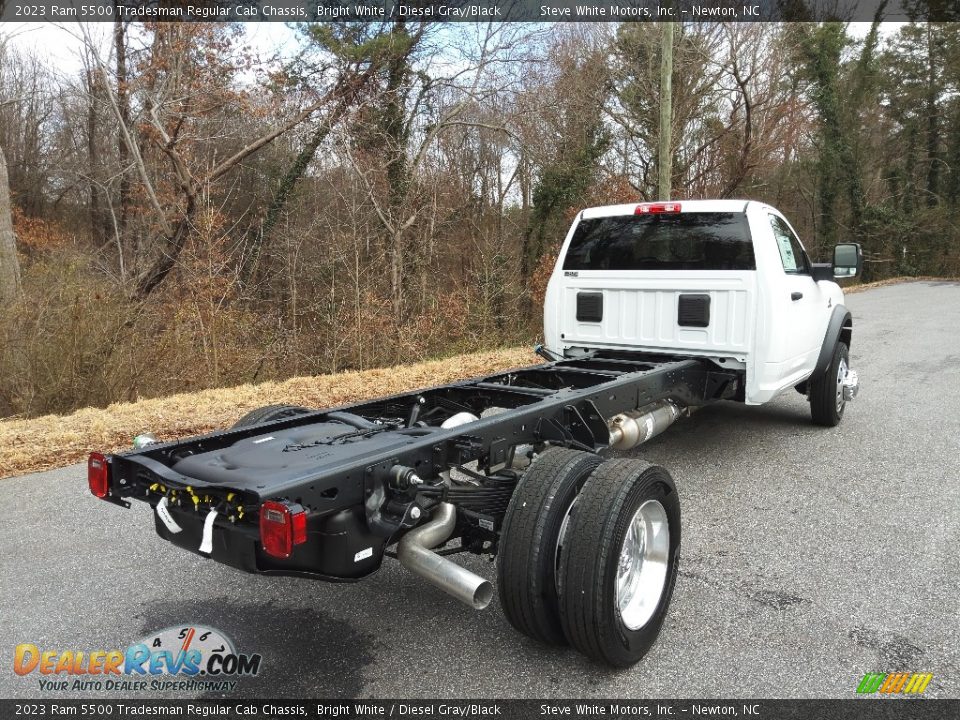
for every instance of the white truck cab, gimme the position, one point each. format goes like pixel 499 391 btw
pixel 725 280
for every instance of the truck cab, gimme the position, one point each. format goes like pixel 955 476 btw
pixel 725 280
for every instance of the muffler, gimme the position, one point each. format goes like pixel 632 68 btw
pixel 414 554
pixel 633 427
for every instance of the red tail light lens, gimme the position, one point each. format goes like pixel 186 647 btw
pixel 281 527
pixel 653 208
pixel 98 474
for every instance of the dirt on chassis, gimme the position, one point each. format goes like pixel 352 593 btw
pixel 504 465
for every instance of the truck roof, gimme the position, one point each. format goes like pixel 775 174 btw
pixel 685 206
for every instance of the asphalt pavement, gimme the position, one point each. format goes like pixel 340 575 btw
pixel 810 556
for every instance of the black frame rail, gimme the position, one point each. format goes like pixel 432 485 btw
pixel 565 403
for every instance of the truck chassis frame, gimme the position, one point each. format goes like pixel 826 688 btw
pixel 378 469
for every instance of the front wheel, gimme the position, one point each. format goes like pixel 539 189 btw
pixel 827 401
pixel 620 561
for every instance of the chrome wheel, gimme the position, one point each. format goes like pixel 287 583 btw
pixel 642 567
pixel 841 376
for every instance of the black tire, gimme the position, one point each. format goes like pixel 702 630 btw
pixel 589 612
pixel 528 555
pixel 826 393
pixel 269 413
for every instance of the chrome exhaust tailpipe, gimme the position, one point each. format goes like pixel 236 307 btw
pixel 633 427
pixel 415 555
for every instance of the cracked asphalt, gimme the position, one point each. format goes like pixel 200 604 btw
pixel 810 556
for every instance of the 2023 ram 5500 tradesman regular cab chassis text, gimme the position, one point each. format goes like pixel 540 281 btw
pixel 652 310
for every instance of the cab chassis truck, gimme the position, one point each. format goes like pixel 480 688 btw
pixel 509 464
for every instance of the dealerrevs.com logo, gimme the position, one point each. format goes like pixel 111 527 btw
pixel 189 658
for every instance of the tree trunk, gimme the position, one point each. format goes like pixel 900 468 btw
pixel 168 258
pixel 260 237
pixel 192 190
pixel 397 257
pixel 123 152
pixel 9 265
pixel 96 214
pixel 395 136
pixel 933 129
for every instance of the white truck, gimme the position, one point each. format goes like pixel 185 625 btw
pixel 724 280
pixel 653 310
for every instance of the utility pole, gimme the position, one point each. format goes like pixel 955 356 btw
pixel 664 155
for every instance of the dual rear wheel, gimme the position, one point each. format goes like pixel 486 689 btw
pixel 588 554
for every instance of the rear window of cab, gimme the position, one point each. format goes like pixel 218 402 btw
pixel 662 241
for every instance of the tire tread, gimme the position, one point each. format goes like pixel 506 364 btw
pixel 594 528
pixel 823 408
pixel 521 561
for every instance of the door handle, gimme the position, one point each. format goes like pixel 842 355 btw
pixel 796 296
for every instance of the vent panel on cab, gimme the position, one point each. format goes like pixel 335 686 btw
pixel 589 306
pixel 693 311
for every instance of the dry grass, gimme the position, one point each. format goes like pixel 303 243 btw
pixel 57 440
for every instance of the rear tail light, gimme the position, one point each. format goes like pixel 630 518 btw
pixel 282 525
pixel 653 208
pixel 98 474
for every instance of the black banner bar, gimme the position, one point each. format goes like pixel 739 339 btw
pixel 852 709
pixel 475 10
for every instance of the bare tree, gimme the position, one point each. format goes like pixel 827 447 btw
pixel 415 109
pixel 176 97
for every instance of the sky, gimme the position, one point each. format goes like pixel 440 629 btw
pixel 59 43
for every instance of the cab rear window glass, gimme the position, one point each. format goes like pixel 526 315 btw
pixel 675 241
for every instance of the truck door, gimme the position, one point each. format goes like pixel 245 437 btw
pixel 801 298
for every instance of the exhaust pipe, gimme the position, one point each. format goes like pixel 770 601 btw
pixel 415 555
pixel 633 427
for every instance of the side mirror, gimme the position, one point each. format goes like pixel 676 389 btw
pixel 847 260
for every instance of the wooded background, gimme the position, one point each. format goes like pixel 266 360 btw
pixel 187 213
